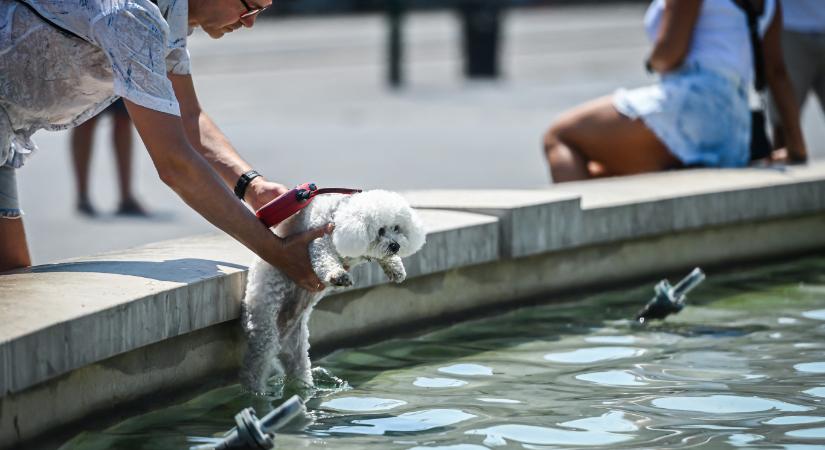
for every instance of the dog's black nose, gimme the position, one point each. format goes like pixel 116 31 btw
pixel 394 247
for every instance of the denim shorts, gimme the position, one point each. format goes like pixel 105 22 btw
pixel 701 115
pixel 9 203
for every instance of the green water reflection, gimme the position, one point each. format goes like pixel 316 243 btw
pixel 743 366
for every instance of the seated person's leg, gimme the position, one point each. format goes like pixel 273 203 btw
pixel 596 133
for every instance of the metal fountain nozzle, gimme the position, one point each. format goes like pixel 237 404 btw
pixel 669 299
pixel 253 433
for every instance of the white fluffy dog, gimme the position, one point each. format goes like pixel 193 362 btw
pixel 374 225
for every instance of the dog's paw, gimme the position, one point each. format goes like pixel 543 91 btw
pixel 396 274
pixel 341 279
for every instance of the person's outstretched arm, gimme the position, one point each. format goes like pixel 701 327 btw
pixel 675 34
pixel 193 179
pixel 783 95
pixel 205 137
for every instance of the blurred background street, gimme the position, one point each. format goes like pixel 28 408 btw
pixel 306 99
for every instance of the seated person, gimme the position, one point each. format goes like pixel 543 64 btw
pixel 697 114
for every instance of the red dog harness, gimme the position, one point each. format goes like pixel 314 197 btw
pixel 293 201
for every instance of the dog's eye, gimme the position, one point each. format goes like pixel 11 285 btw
pixel 381 231
pixel 396 228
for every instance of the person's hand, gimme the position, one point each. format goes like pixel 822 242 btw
pixel 786 155
pixel 260 192
pixel 292 258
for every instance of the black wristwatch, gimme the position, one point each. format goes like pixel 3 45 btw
pixel 243 183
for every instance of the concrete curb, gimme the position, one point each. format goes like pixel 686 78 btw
pixel 72 330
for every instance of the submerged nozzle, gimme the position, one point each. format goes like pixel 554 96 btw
pixel 253 433
pixel 669 299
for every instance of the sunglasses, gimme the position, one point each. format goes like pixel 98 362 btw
pixel 250 11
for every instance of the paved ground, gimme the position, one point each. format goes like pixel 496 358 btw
pixel 305 100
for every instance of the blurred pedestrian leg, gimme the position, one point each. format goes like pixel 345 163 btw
pixel 395 42
pixel 82 144
pixel 481 30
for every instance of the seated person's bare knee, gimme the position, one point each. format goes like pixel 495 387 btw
pixel 558 134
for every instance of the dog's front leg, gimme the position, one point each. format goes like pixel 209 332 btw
pixel 393 268
pixel 325 263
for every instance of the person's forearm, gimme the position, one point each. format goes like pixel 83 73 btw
pixel 214 146
pixel 780 87
pixel 193 179
pixel 208 140
pixel 188 174
pixel 782 92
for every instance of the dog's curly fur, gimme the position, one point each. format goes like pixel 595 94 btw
pixel 374 225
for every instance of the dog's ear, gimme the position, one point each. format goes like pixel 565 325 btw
pixel 351 236
pixel 416 233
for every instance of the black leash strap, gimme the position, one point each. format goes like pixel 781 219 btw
pixel 337 191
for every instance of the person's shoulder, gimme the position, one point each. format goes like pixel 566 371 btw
pixel 125 17
pixel 133 34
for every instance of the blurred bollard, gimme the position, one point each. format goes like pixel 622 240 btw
pixel 395 46
pixel 481 25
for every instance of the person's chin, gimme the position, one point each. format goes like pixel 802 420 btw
pixel 216 33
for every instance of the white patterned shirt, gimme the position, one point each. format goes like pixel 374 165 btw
pixel 66 66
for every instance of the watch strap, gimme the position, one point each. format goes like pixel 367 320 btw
pixel 243 183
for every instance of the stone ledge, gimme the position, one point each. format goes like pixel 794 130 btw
pixel 66 315
pixel 122 301
pixel 530 221
pixel 615 209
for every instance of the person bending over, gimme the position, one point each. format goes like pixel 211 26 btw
pixel 65 61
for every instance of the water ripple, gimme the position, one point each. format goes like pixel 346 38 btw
pixel 415 421
pixel 808 433
pixel 597 431
pixel 610 339
pixel 452 447
pixel 362 404
pixel 818 314
pixel 467 370
pixel 742 439
pixel 594 354
pixel 499 400
pixel 812 367
pixel 725 404
pixel 816 392
pixel 794 420
pixel 612 378
pixel 438 382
